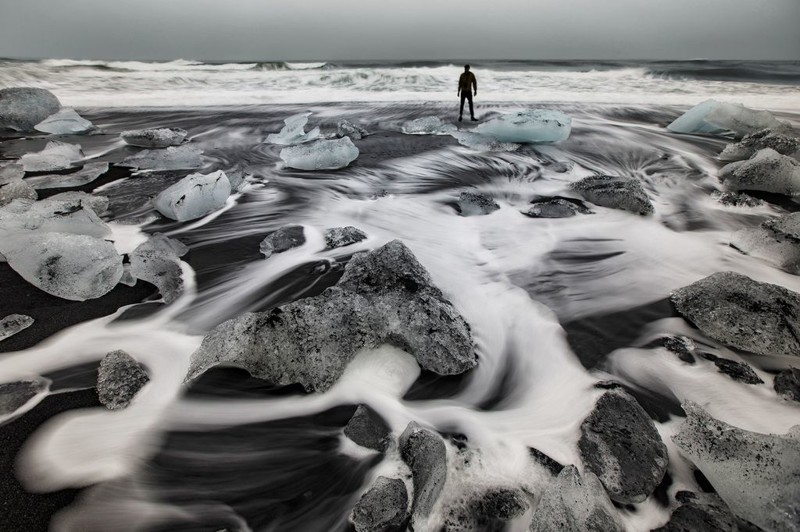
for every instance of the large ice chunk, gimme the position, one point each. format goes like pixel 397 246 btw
pixel 15 190
pixel 294 131
pixel 11 172
pixel 84 176
pixel 98 204
pixel 157 261
pixel 194 196
pixel 716 118
pixel 428 125
pixel 172 158
pixel 757 475
pixel 321 154
pixel 768 171
pixel 479 142
pixel 159 137
pixel 55 156
pixel 21 108
pixel 530 126
pixel 64 122
pixel 74 267
pixel 65 214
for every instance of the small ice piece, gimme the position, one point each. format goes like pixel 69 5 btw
pixel 476 204
pixel 194 196
pixel 776 240
pixel 237 177
pixel 16 189
pixel 766 138
pixel 11 172
pixel 158 137
pixel 531 126
pixel 294 131
pixel 64 122
pixel 74 267
pixel 55 156
pixel 14 323
pixel 345 128
pixel 428 125
pixel 321 155
pixel 84 176
pixel 119 379
pixel 479 142
pixel 65 214
pixel 755 474
pixel 21 108
pixel 172 158
pixel 157 261
pixel 282 239
pixel 768 171
pixel 716 118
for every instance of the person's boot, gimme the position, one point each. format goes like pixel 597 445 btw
pixel 459 118
pixel 474 119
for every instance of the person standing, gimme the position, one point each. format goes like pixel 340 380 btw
pixel 466 84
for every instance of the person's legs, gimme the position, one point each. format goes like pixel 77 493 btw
pixel 471 108
pixel 461 111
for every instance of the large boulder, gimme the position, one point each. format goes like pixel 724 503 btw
pixel 620 444
pixel 21 108
pixel 383 508
pixel 622 193
pixel 426 455
pixel 384 296
pixel 704 512
pixel 766 171
pixel 757 475
pixel 119 379
pixel 194 196
pixel 766 138
pixel 345 128
pixel 737 311
pixel 787 384
pixel 776 240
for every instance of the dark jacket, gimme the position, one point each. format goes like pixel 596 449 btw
pixel 467 81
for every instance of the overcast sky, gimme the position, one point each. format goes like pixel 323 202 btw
pixel 401 29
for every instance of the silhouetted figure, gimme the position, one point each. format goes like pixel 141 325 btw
pixel 465 85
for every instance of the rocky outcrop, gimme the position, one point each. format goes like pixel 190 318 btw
pixel 737 311
pixel 613 192
pixel 384 296
pixel 119 379
pixel 339 237
pixel 383 508
pixel 21 108
pixel 766 138
pixel 426 455
pixel 476 204
pixel 345 128
pixel 767 171
pixel 704 512
pixel 620 444
pixel 368 429
pixel 556 208
pixel 738 371
pixel 282 239
pixel 777 240
pixel 787 384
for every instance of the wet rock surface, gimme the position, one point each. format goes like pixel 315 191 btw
pixel 15 394
pixel 119 379
pixel 736 199
pixel 615 193
pixel 620 444
pixel 490 511
pixel 21 108
pixel 426 455
pixel 383 508
pixel 345 128
pixel 738 371
pixel 476 204
pixel 160 137
pixel 556 208
pixel 737 311
pixel 282 239
pixel 682 346
pixel 368 429
pixel 545 461
pixel 339 237
pixel 752 143
pixel 704 512
pixel 787 384
pixel 767 171
pixel 776 240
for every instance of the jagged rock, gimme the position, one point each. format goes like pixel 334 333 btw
pixel 556 208
pixel 615 193
pixel 157 261
pixel 767 170
pixel 64 122
pixel 575 503
pixel 620 444
pixel 766 138
pixel 159 137
pixel 787 384
pixel 21 108
pixel 545 461
pixel 383 508
pixel 736 199
pixel 738 371
pixel 54 157
pixel 16 189
pixel 737 311
pixel 489 511
pixel 15 394
pixel 757 475
pixel 476 204
pixel 776 240
pixel 283 239
pixel 345 128
pixel 339 237
pixel 704 512
pixel 426 455
pixel 682 346
pixel 368 429
pixel 384 296
pixel 14 323
pixel 119 379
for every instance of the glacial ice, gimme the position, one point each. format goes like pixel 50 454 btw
pixel 428 125
pixel 157 261
pixel 321 154
pixel 715 118
pixel 11 172
pixel 767 170
pixel 99 204
pixel 531 126
pixel 479 142
pixel 85 175
pixel 194 196
pixel 74 267
pixel 159 137
pixel 55 156
pixel 67 215
pixel 294 131
pixel 21 108
pixel 15 190
pixel 14 323
pixel 755 474
pixel 64 122
pixel 237 177
pixel 172 158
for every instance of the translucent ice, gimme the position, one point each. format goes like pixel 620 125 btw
pixel 74 267
pixel 55 156
pixel 531 126
pixel 172 158
pixel 11 172
pixel 14 190
pixel 99 204
pixel 321 154
pixel 479 142
pixel 714 118
pixel 161 137
pixel 85 175
pixel 157 261
pixel 294 131
pixel 194 196
pixel 64 122
pixel 428 125
pixel 14 323
pixel 67 215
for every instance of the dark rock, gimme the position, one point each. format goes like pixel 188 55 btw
pixel 15 394
pixel 736 199
pixel 119 379
pixel 338 237
pixel 737 311
pixel 787 384
pixel 620 444
pixel 575 503
pixel 384 296
pixel 157 261
pixel 160 137
pixel 547 462
pixel 615 193
pixel 704 512
pixel 556 208
pixel 383 508
pixel 776 240
pixel 754 142
pixel 680 345
pixel 488 512
pixel 738 371
pixel 426 455
pixel 767 170
pixel 21 108
pixel 368 429
pixel 345 128
pixel 283 239
pixel 476 204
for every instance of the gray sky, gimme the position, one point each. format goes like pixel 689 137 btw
pixel 403 29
